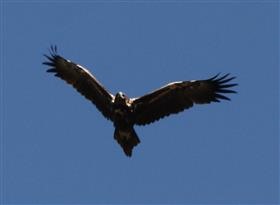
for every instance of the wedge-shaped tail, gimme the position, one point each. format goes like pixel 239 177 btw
pixel 127 138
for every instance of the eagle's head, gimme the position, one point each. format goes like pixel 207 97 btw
pixel 121 98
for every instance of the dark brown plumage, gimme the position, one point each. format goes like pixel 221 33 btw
pixel 126 112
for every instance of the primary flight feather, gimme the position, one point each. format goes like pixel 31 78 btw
pixel 126 112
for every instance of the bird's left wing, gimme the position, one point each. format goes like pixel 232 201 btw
pixel 82 80
pixel 177 96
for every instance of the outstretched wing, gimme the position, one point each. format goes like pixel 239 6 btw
pixel 82 80
pixel 177 96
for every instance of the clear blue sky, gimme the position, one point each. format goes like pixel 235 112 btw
pixel 57 148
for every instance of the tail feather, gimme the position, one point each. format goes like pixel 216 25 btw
pixel 127 138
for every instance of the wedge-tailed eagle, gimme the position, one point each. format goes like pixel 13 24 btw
pixel 126 112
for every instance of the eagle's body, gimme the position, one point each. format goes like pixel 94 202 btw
pixel 122 118
pixel 126 112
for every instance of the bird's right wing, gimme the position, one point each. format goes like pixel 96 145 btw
pixel 177 96
pixel 82 80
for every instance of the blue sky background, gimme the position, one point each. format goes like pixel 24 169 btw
pixel 57 148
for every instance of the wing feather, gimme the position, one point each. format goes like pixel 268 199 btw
pixel 82 80
pixel 178 96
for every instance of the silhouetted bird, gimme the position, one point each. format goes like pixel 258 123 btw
pixel 126 112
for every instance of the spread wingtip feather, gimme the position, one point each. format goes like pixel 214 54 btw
pixel 220 82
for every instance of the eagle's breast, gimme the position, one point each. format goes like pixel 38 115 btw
pixel 122 111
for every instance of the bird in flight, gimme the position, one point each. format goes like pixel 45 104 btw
pixel 126 112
